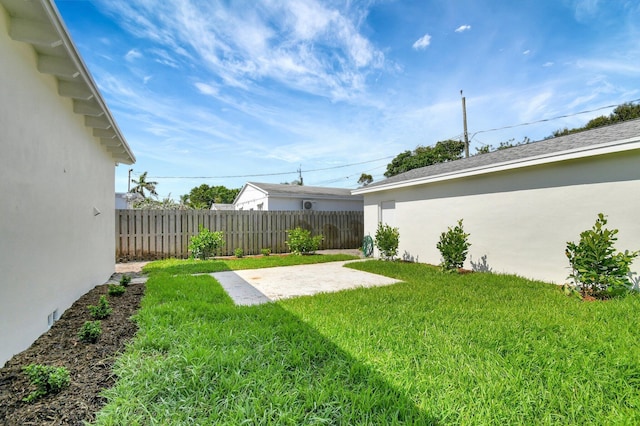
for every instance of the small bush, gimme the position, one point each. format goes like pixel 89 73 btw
pixel 101 310
pixel 596 269
pixel 90 331
pixel 453 246
pixel 387 240
pixel 46 379
pixel 125 280
pixel 265 251
pixel 116 290
pixel 203 245
pixel 300 241
pixel 238 252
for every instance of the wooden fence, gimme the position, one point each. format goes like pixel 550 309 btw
pixel 160 234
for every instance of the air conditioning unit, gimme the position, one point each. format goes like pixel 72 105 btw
pixel 307 205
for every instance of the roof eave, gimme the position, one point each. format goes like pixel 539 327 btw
pixel 73 78
pixel 582 152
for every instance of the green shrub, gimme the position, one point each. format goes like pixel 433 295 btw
pixel 203 245
pixel 90 331
pixel 125 280
pixel 101 310
pixel 265 251
pixel 116 290
pixel 238 252
pixel 387 240
pixel 46 379
pixel 453 246
pixel 300 241
pixel 596 269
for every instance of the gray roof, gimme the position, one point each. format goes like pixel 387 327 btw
pixel 275 189
pixel 587 138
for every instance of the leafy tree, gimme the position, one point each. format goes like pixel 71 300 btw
pixel 503 145
pixel 624 112
pixel 203 196
pixel 365 179
pixel 142 185
pixel 423 156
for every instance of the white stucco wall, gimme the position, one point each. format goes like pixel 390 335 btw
pixel 251 198
pixel 522 219
pixel 53 173
pixel 319 204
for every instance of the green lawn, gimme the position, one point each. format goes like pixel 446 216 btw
pixel 435 349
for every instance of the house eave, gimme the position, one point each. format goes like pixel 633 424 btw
pixel 623 145
pixel 38 23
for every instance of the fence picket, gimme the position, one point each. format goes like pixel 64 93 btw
pixel 159 234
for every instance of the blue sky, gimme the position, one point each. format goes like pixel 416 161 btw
pixel 224 91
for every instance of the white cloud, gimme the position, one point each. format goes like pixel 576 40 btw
pixel 526 52
pixel 423 42
pixel 547 64
pixel 132 55
pixel 463 28
pixel 206 89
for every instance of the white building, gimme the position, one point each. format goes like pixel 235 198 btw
pixel 520 205
pixel 270 196
pixel 60 145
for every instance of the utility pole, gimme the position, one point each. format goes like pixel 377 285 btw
pixel 464 121
pixel 129 181
pixel 300 175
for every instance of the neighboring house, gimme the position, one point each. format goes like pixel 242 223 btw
pixel 521 205
pixel 270 196
pixel 60 145
pixel 218 206
pixel 125 200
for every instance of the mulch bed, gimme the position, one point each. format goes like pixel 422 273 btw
pixel 89 364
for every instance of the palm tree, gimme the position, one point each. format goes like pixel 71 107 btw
pixel 142 185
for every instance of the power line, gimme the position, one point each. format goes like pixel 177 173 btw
pixel 272 174
pixel 550 119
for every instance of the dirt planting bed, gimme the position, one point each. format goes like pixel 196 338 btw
pixel 89 364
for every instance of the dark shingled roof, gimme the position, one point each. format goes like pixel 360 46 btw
pixel 303 190
pixel 587 138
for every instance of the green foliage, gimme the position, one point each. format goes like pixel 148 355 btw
pixel 142 185
pixel 365 179
pixel 165 204
pixel 125 280
pixel 101 310
pixel 203 196
pixel 238 252
pixel 423 156
pixel 47 379
pixel 446 349
pixel 387 240
pixel 485 149
pixel 453 246
pixel 191 266
pixel 90 331
pixel 596 269
pixel 203 245
pixel 300 241
pixel 116 290
pixel 624 112
pixel 265 251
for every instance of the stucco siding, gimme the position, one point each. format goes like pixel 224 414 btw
pixel 519 220
pixel 53 173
